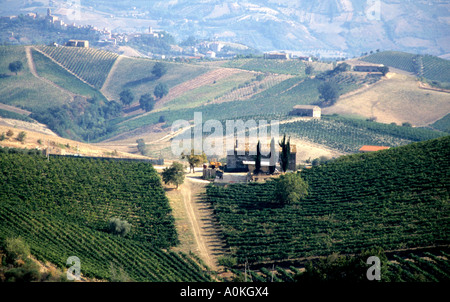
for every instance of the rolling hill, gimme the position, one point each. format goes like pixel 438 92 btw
pixel 61 207
pixel 393 199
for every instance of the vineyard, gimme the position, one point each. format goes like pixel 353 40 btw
pixel 425 66
pixel 423 267
pixel 396 59
pixel 61 208
pixel 89 64
pixel 393 199
pixel 348 135
pixel 49 70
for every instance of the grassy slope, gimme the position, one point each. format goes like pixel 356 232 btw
pixel 24 90
pixel 396 198
pixel 46 68
pixel 135 74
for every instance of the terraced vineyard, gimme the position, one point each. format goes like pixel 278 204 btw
pixel 393 199
pixel 429 67
pixel 424 267
pixel 91 65
pixel 396 59
pixel 348 135
pixel 61 208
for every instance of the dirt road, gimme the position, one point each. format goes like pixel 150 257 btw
pixel 203 225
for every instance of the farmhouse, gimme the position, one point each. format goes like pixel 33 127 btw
pixel 306 110
pixel 368 148
pixel 367 67
pixel 78 43
pixel 276 56
pixel 242 160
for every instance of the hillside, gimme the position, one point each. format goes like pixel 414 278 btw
pixel 242 88
pixel 396 99
pixel 61 207
pixel 393 199
pixel 432 69
pixel 338 28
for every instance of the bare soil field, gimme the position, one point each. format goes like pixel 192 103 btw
pixel 396 99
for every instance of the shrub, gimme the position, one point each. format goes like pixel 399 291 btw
pixel 16 250
pixel 119 227
pixel 291 188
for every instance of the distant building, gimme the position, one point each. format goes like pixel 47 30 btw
pixel 368 148
pixel 276 56
pixel 216 46
pixel 211 54
pixel 78 43
pixel 306 110
pixel 367 67
pixel 307 59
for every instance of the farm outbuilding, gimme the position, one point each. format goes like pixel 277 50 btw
pixel 78 43
pixel 367 67
pixel 368 148
pixel 306 110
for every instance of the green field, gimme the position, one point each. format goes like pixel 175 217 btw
pixel 24 90
pixel 136 74
pixel 393 199
pixel 61 208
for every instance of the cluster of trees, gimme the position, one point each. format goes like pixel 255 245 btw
pixel 20 137
pixel 94 121
pixel 147 101
pixel 16 265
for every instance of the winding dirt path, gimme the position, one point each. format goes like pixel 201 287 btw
pixel 33 71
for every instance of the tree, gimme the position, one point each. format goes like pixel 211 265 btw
pixel 16 250
pixel 15 66
pixel 9 133
pixel 291 188
pixel 285 153
pixel 141 145
pixel 147 102
pixel 258 159
pixel 329 93
pixel 309 70
pixel 21 136
pixel 119 227
pixel 126 97
pixel 174 174
pixel 161 90
pixel 194 159
pixel 384 70
pixel 159 69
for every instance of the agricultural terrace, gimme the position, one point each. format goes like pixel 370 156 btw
pixel 62 206
pixel 393 199
pixel 92 65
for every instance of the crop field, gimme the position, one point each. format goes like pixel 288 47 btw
pixel 396 59
pixel 424 267
pixel 392 199
pixel 58 75
pixel 61 208
pixel 90 64
pixel 348 135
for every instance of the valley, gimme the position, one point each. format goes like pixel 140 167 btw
pixel 85 106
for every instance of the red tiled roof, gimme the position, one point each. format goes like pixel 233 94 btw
pixel 367 148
